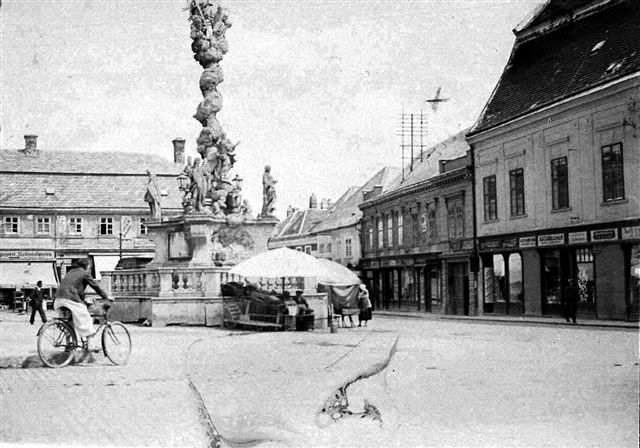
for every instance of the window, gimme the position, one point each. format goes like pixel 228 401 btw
pixel 559 183
pixel 400 229
pixel 455 218
pixel 329 248
pixel 415 227
pixel 307 249
pixel 299 248
pixel 143 226
pixel 516 187
pixel 43 226
pixel 339 249
pixel 371 236
pixel 75 226
pixel 390 229
pixel 106 226
pixel 490 199
pixel 11 225
pixel 347 247
pixel 612 173
pixel 380 234
pixel 431 221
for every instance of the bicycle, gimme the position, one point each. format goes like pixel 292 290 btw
pixel 57 340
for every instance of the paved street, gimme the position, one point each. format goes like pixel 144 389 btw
pixel 448 383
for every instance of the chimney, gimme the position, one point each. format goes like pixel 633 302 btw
pixel 31 144
pixel 290 211
pixel 313 202
pixel 323 204
pixel 178 150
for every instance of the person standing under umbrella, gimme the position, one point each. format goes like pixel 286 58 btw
pixel 364 303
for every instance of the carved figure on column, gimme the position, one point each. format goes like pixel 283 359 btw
pixel 268 193
pixel 152 196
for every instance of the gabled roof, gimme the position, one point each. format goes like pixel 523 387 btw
pixel 451 148
pixel 300 222
pixel 576 56
pixel 84 180
pixel 347 212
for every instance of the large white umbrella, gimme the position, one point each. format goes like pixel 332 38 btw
pixel 277 263
pixel 335 274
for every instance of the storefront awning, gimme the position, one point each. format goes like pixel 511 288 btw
pixel 104 263
pixel 27 274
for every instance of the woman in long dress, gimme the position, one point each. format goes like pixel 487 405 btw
pixel 364 303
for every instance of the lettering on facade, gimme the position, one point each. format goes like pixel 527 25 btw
pixel 551 240
pixel 604 235
pixel 30 254
pixel 631 233
pixel 510 243
pixel 491 244
pixel 577 237
pixel 527 241
pixel 142 242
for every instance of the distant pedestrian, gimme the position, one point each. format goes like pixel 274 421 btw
pixel 364 304
pixel 572 295
pixel 35 302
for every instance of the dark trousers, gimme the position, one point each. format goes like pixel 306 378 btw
pixel 38 308
pixel 570 311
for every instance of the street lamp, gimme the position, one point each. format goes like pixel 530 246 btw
pixel 184 182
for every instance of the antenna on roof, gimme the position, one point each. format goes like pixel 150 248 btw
pixel 413 127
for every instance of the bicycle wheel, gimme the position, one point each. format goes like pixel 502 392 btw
pixel 116 343
pixel 56 342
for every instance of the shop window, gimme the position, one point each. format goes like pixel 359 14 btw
pixel 11 225
pixel 552 279
pixel 106 226
pixel 585 275
pixel 515 278
pixel 559 183
pixel 490 198
pixel 516 187
pixel 634 277
pixel 499 286
pixel 434 287
pixel 75 226
pixel 612 172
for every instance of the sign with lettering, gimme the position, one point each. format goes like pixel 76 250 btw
pixel 551 240
pixel 491 244
pixel 604 235
pixel 577 237
pixel 527 241
pixel 27 254
pixel 631 233
pixel 142 242
pixel 510 243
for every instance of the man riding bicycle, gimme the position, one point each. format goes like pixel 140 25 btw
pixel 70 295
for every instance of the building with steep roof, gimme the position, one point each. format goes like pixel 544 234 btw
pixel 57 206
pixel 418 235
pixel 332 232
pixel 556 165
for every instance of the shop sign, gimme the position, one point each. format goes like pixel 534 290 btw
pixel 407 261
pixel 510 243
pixel 577 237
pixel 551 240
pixel 143 242
pixel 375 264
pixel 491 244
pixel 631 233
pixel 27 254
pixel 393 262
pixel 527 241
pixel 604 235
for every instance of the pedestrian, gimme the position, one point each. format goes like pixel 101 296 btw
pixel 572 295
pixel 364 304
pixel 35 301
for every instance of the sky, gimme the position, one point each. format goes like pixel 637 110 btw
pixel 315 89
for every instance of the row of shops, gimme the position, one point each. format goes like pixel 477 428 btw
pixel 521 274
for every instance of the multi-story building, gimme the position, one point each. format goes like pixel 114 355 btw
pixel 557 165
pixel 333 231
pixel 57 206
pixel 418 234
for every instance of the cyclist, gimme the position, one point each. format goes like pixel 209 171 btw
pixel 70 295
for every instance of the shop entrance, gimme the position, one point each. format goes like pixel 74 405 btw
pixel 458 289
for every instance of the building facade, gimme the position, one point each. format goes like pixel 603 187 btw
pixel 418 236
pixel 58 206
pixel 556 156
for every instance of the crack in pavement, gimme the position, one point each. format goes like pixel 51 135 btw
pixel 337 405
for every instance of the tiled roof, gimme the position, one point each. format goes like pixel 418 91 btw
pixel 85 162
pixel 347 212
pixel 122 184
pixel 577 56
pixel 301 222
pixel 555 8
pixel 451 148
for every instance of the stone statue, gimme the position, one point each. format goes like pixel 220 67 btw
pixel 268 193
pixel 199 185
pixel 152 196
